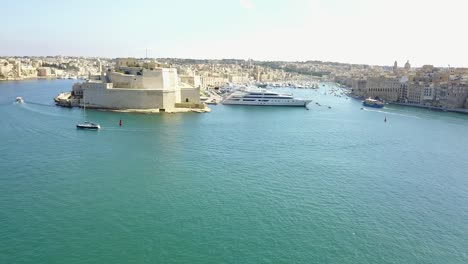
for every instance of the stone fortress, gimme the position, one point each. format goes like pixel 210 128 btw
pixel 137 85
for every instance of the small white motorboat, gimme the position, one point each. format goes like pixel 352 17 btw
pixel 88 125
pixel 19 100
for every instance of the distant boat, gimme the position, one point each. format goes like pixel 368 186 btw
pixel 19 100
pixel 213 101
pixel 369 102
pixel 86 124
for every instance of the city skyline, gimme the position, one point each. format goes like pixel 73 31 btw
pixel 358 32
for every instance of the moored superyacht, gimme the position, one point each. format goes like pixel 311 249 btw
pixel 263 97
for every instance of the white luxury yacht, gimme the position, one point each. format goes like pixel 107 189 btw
pixel 263 97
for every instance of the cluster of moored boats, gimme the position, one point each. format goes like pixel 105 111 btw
pixel 294 85
pixel 337 92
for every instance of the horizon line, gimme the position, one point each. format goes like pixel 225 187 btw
pixel 225 58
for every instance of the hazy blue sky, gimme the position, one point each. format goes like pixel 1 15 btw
pixel 355 31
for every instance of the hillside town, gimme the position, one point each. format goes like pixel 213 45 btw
pixel 20 68
pixel 426 86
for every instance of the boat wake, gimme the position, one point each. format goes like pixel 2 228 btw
pixel 33 103
pixel 131 129
pixel 390 113
pixel 35 110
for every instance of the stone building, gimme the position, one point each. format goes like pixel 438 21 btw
pixel 238 78
pixel 193 80
pixel 383 87
pixel 141 87
pixel 455 95
pixel 407 66
pixel 43 71
pixel 413 95
pixel 359 87
pixel 213 81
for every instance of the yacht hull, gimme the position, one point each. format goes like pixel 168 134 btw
pixel 88 127
pixel 293 104
pixel 262 97
pixel 373 105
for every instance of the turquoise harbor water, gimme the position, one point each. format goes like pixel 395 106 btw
pixel 238 185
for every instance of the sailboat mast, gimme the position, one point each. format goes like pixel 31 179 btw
pixel 84 107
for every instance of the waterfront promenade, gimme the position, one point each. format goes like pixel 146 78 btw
pixel 455 110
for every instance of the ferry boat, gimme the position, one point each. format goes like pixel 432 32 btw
pixel 369 102
pixel 263 97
